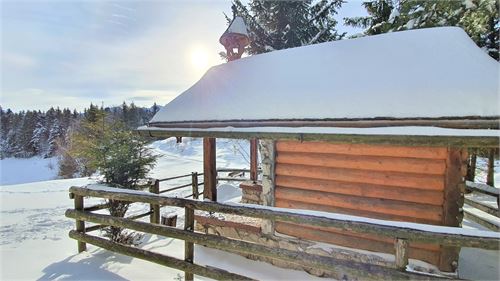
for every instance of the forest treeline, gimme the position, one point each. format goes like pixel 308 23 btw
pixel 30 133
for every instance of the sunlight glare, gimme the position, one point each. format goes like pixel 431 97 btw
pixel 199 58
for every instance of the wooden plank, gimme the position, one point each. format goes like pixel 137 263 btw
pixel 353 269
pixel 194 183
pixel 209 169
pixel 210 272
pixel 254 159
pixel 427 182
pixel 412 232
pixel 363 189
pixel 283 203
pixel 482 188
pixel 452 216
pixel 362 149
pixel 401 247
pixel 351 242
pixel 155 208
pixel 389 140
pixel 479 220
pixel 483 207
pixel 376 205
pixel 364 162
pixel 188 246
pixel 80 224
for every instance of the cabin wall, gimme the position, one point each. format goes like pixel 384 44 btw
pixel 412 184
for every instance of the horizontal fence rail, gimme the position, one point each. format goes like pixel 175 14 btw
pixel 446 236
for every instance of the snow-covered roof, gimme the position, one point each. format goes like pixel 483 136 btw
pixel 425 73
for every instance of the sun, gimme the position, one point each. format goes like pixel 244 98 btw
pixel 199 58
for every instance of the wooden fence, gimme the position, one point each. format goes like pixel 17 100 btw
pixel 402 235
pixel 487 190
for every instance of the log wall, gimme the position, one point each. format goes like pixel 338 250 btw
pixel 412 184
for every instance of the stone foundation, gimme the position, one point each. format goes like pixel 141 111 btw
pixel 251 193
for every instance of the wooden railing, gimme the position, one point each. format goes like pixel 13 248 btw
pixel 487 190
pixel 402 233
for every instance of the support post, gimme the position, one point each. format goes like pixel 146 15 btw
pixel 155 208
pixel 80 225
pixel 253 160
pixel 189 246
pixel 194 181
pixel 471 167
pixel 490 180
pixel 401 247
pixel 209 169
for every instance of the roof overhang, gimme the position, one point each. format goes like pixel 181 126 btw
pixel 407 135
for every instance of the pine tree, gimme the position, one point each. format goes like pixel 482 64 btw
pixel 55 135
pixel 40 135
pixel 479 18
pixel 276 25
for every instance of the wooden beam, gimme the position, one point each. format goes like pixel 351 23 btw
pixel 209 169
pixel 405 140
pixel 80 224
pixel 401 247
pixel 155 208
pixel 210 272
pixel 354 269
pixel 253 159
pixel 482 206
pixel 189 246
pixel 421 233
pixel 194 184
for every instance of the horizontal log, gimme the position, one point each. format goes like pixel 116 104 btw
pixel 177 177
pixel 427 182
pixel 175 188
pixel 355 269
pixel 400 140
pixel 352 241
pixel 160 259
pixel 481 206
pixel 482 188
pixel 375 205
pixel 364 162
pixel 96 207
pixel 450 236
pixel 363 150
pixel 232 179
pixel 479 220
pixel 290 204
pixel 364 189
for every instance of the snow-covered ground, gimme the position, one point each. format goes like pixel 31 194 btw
pixel 24 170
pixel 34 244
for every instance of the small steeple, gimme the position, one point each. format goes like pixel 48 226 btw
pixel 235 38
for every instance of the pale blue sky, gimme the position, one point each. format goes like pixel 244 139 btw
pixel 71 53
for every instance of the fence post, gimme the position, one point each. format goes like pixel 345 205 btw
pixel 189 246
pixel 80 225
pixel 155 216
pixel 194 180
pixel 401 246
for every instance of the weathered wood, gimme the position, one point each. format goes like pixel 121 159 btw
pixel 417 181
pixel 490 180
pixel 175 188
pixel 80 224
pixel 441 235
pixel 176 177
pixel 365 162
pixel 374 205
pixel 482 188
pixel 169 220
pixel 351 268
pixel 461 123
pixel 178 264
pixel 482 206
pixel 96 207
pixel 401 248
pixel 355 241
pixel 471 167
pixel 189 246
pixel 254 159
pixel 406 140
pixel 209 169
pixel 432 197
pixel 479 220
pixel 194 184
pixel 155 208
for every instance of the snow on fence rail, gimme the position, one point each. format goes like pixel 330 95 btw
pixel 403 233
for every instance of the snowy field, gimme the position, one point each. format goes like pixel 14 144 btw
pixel 34 231
pixel 21 170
